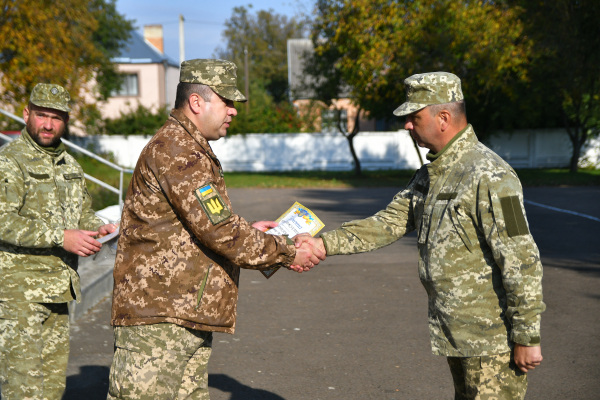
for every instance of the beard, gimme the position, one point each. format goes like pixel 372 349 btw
pixel 37 137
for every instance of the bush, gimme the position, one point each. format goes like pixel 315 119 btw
pixel 141 121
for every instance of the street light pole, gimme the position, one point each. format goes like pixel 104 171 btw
pixel 247 91
pixel 181 41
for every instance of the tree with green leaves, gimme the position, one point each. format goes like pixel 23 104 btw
pixel 373 45
pixel 67 42
pixel 566 71
pixel 264 35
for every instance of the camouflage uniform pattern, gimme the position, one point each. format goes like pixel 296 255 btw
pixel 181 245
pixel 423 90
pixel 487 378
pixel 161 361
pixel 42 193
pixel 50 95
pixel 34 350
pixel 477 260
pixel 220 75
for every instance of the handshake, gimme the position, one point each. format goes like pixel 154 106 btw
pixel 309 252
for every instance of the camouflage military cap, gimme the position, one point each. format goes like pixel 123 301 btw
pixel 50 95
pixel 218 74
pixel 423 90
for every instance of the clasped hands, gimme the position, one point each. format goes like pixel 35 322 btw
pixel 309 251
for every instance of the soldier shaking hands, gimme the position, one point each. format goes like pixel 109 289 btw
pixel 477 260
pixel 181 247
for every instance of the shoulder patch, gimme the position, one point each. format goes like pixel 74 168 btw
pixel 513 216
pixel 212 203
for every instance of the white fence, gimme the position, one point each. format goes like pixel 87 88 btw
pixel 287 152
pixel 376 150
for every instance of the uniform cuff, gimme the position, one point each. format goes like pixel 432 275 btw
pixel 526 339
pixel 58 237
pixel 330 243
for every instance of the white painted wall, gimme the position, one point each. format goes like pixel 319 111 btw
pixel 540 148
pixel 376 150
pixel 286 152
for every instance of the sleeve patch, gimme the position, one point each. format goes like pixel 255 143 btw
pixel 212 203
pixel 513 216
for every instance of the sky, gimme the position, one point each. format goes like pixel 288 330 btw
pixel 203 20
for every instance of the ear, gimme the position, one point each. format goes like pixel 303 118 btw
pixel 196 103
pixel 26 114
pixel 445 120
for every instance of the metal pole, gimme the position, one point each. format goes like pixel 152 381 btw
pixel 247 80
pixel 121 190
pixel 181 40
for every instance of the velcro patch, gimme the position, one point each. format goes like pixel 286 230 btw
pixel 74 175
pixel 212 203
pixel 513 216
pixel 446 196
pixel 39 176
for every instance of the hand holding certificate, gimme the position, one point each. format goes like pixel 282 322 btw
pixel 296 220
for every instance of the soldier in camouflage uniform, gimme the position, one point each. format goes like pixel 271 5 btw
pixel 477 260
pixel 46 222
pixel 181 247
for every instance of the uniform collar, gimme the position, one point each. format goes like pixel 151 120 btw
pixel 53 152
pixel 193 131
pixel 453 151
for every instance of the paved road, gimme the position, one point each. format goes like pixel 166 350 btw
pixel 355 327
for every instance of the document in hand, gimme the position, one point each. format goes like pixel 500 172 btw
pixel 297 219
pixel 109 246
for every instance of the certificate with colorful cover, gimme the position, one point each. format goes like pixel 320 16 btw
pixel 296 220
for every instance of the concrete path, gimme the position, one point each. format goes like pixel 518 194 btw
pixel 355 327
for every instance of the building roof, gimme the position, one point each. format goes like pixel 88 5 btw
pixel 139 51
pixel 297 79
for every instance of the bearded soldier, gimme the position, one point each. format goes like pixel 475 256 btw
pixel 182 246
pixel 46 223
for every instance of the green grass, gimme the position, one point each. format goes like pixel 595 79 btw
pixel 323 179
pixel 318 179
pixel 102 198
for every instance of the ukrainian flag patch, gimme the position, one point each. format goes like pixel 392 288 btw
pixel 212 203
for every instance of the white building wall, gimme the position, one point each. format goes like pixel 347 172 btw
pixel 150 86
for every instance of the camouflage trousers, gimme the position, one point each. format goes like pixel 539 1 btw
pixel 160 361
pixel 34 350
pixel 487 378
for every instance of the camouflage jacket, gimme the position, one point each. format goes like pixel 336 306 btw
pixel 181 245
pixel 42 193
pixel 477 260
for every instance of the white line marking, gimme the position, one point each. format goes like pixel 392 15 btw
pixel 561 210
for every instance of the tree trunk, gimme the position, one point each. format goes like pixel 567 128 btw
pixel 357 169
pixel 575 156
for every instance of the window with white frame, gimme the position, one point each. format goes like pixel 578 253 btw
pixel 129 87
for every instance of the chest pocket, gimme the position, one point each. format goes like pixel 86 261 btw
pixel 418 205
pixel 70 190
pixel 463 227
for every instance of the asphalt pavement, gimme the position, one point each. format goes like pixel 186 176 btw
pixel 355 327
